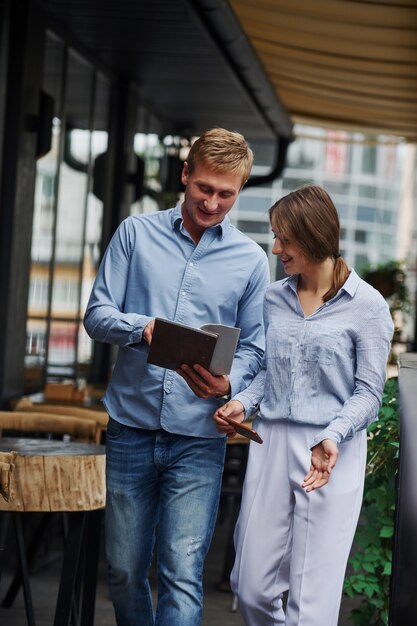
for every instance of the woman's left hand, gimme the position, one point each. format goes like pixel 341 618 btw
pixel 323 459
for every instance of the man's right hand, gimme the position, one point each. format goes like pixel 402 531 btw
pixel 234 409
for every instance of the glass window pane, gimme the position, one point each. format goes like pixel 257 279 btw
pixel 72 196
pixel 342 210
pixel 337 188
pixel 360 236
pixel 290 184
pixel 253 204
pixel 85 347
pixel 94 218
pixel 387 239
pixel 336 153
pixel 305 153
pixel 62 342
pixel 44 224
pixel 147 146
pixel 53 68
pixel 65 290
pixel 368 191
pixel 366 214
pixel 361 261
pixel 369 159
pixel 36 340
pixel 388 217
pixel 249 226
pixel 71 218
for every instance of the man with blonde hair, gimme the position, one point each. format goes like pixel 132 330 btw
pixel 164 455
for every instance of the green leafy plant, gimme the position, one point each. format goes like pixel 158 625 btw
pixel 370 561
pixel 390 279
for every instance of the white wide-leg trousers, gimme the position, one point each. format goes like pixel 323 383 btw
pixel 290 540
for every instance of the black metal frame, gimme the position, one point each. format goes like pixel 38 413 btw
pixel 403 597
pixel 77 587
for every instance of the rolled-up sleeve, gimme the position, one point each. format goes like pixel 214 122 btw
pixel 105 319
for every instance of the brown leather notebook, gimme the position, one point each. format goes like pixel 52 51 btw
pixel 212 346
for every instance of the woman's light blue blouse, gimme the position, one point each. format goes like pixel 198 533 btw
pixel 327 369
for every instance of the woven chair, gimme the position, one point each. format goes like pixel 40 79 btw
pixel 100 417
pixel 22 423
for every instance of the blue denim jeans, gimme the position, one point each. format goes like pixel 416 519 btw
pixel 164 485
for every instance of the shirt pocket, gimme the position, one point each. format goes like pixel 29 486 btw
pixel 321 346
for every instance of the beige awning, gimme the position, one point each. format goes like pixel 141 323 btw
pixel 345 64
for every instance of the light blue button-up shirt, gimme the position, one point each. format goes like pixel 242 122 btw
pixel 152 268
pixel 327 369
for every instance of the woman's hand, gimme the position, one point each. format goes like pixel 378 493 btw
pixel 323 459
pixel 234 409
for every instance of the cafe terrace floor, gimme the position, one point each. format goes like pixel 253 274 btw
pixel 45 574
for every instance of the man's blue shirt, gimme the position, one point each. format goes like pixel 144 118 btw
pixel 327 369
pixel 152 268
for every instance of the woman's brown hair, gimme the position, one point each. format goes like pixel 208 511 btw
pixel 308 217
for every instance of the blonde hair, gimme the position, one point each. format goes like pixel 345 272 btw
pixel 221 150
pixel 309 217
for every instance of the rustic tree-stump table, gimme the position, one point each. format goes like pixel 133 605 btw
pixel 55 476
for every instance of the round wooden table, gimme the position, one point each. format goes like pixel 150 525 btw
pixel 55 476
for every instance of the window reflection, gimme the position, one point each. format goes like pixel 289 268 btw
pixel 43 231
pixel 68 219
pixel 369 159
pixel 61 347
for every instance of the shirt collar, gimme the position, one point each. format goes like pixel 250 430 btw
pixel 176 217
pixel 177 222
pixel 292 282
pixel 352 283
pixel 350 286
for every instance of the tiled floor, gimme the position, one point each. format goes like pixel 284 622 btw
pixel 44 585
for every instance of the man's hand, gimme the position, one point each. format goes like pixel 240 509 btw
pixel 323 459
pixel 234 409
pixel 148 332
pixel 202 382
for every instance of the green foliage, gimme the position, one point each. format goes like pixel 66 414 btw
pixel 393 277
pixel 390 279
pixel 370 562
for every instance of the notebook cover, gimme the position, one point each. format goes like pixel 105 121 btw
pixel 173 344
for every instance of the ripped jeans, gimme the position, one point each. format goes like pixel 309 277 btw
pixel 165 486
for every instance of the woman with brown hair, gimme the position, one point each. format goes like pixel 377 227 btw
pixel 328 336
